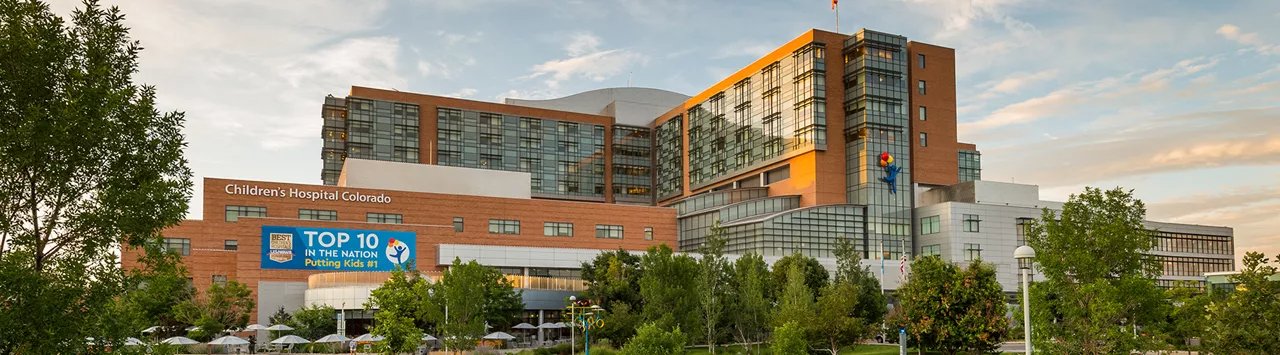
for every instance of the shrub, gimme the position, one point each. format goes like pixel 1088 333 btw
pixel 789 340
pixel 650 339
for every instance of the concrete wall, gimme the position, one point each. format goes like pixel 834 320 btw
pixel 385 175
pixel 275 294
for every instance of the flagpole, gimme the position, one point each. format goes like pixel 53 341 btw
pixel 836 4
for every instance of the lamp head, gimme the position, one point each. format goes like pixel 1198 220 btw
pixel 1024 252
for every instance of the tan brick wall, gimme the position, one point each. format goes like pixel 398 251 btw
pixel 430 216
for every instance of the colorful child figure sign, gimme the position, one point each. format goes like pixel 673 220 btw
pixel 891 171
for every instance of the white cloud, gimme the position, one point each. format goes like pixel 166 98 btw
pixel 1015 82
pixel 1251 39
pixel 453 39
pixel 586 60
pixel 750 49
pixel 463 93
pixel 434 69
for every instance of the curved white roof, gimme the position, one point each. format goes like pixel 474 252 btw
pixel 628 105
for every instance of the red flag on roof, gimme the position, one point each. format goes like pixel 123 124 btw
pixel 833 4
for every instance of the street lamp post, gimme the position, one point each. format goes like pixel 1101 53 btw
pixel 1025 254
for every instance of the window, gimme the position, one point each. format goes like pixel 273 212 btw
pixel 930 225
pixel 557 229
pixel 220 279
pixel 924 113
pixel 235 212
pixel 924 139
pixel 1023 224
pixel 230 244
pixel 928 250
pixel 457 224
pixel 177 245
pixel 920 86
pixel 318 215
pixel 920 59
pixel 391 218
pixel 504 226
pixel 648 233
pixel 972 252
pixel 971 223
pixel 608 231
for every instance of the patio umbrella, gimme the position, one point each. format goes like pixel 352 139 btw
pixel 131 341
pixel 549 326
pixel 254 327
pixel 151 329
pixel 279 327
pixel 332 338
pixel 524 326
pixel 290 339
pixel 229 340
pixel 369 337
pixel 499 336
pixel 180 341
pixel 428 337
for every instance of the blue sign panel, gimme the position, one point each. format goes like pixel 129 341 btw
pixel 308 248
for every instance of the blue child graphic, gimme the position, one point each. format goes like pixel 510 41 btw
pixel 891 171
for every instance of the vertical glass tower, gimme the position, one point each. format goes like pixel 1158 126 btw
pixel 876 121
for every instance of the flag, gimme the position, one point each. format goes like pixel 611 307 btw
pixel 834 3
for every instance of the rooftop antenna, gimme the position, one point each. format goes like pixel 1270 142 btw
pixel 629 78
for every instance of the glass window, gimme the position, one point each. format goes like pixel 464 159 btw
pixel 1021 230
pixel 504 226
pixel 608 231
pixel 220 279
pixel 972 251
pixel 319 215
pixel 457 224
pixel 235 212
pixel 177 245
pixel 920 59
pixel 920 87
pixel 971 223
pixel 924 113
pixel 390 218
pixel 230 244
pixel 648 233
pixel 930 225
pixel 924 139
pixel 928 250
pixel 557 229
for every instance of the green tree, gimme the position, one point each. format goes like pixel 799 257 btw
pixel 712 284
pixel 749 282
pixel 399 301
pixel 666 285
pixel 224 306
pixel 463 320
pixel 281 317
pixel 87 165
pixel 953 310
pixel 789 339
pixel 314 321
pixel 1247 319
pixel 1098 287
pixel 651 339
pixel 815 276
pixel 159 285
pixel 1189 315
pixel 613 281
pixel 796 303
pixel 851 307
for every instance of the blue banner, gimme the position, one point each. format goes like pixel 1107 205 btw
pixel 308 248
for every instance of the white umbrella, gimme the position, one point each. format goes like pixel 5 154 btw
pixel 549 326
pixel 255 326
pixel 332 338
pixel 131 341
pixel 279 327
pixel 180 341
pixel 290 339
pixel 428 337
pixel 524 326
pixel 229 340
pixel 369 337
pixel 151 329
pixel 499 336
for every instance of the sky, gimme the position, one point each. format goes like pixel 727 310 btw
pixel 1177 100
